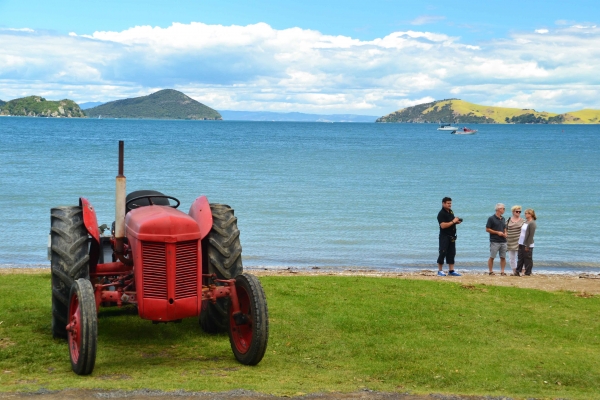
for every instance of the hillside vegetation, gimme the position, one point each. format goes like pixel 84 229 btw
pixel 36 106
pixel 460 111
pixel 164 104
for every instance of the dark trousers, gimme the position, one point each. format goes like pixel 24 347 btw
pixel 447 250
pixel 525 259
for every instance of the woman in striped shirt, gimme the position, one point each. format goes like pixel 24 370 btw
pixel 513 230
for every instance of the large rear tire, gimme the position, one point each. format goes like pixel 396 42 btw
pixel 222 252
pixel 82 330
pixel 69 261
pixel 249 332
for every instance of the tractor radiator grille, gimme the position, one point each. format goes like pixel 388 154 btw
pixel 186 282
pixel 154 270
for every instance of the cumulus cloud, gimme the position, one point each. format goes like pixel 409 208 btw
pixel 257 67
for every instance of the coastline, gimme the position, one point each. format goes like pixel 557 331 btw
pixel 582 284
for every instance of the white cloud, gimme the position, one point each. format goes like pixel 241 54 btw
pixel 29 30
pixel 580 26
pixel 262 68
pixel 427 19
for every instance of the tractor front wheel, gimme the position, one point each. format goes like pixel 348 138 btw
pixel 249 330
pixel 82 327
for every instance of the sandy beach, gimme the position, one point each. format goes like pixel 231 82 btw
pixel 581 284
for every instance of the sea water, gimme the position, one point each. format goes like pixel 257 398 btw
pixel 314 194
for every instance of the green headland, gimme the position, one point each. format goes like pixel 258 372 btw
pixel 37 106
pixel 164 104
pixel 460 111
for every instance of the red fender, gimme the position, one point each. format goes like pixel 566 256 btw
pixel 200 211
pixel 89 218
pixel 90 221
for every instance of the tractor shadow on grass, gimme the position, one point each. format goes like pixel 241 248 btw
pixel 122 332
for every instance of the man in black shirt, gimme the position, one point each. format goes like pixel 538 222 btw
pixel 447 222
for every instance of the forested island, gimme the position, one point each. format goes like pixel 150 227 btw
pixel 37 106
pixel 164 104
pixel 460 111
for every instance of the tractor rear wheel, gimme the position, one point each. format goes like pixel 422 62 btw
pixel 222 253
pixel 249 332
pixel 69 262
pixel 82 329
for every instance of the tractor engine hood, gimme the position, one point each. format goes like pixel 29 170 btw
pixel 161 224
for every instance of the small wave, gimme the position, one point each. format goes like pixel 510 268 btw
pixel 24 265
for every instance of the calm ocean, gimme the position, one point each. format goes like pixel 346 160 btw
pixel 314 194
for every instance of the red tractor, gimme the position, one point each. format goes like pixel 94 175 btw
pixel 170 264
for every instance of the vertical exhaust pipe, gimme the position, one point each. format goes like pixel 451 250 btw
pixel 120 206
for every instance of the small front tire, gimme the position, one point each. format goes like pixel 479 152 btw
pixel 250 334
pixel 82 327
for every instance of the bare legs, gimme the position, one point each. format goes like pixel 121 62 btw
pixel 502 265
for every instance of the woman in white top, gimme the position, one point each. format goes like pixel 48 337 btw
pixel 526 243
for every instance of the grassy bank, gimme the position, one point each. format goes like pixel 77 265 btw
pixel 329 334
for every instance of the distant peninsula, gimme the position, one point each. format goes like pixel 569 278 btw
pixel 164 104
pixel 460 111
pixel 37 106
pixel 293 116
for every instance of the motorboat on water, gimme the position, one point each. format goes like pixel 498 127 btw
pixel 447 128
pixel 465 131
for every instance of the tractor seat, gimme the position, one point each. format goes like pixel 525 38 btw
pixel 159 201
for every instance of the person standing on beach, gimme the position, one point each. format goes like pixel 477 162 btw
pixel 526 243
pixel 513 231
pixel 447 222
pixel 496 227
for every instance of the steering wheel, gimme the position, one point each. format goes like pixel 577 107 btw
pixel 130 206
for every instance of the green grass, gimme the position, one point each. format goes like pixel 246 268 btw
pixel 329 334
pixel 586 116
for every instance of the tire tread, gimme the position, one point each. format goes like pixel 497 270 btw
pixel 69 260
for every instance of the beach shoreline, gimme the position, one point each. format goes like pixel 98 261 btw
pixel 581 284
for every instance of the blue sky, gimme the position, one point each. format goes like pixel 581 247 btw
pixel 310 56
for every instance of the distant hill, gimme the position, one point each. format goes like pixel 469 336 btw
pixel 90 104
pixel 293 116
pixel 164 104
pixel 2 103
pixel 460 111
pixel 36 106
